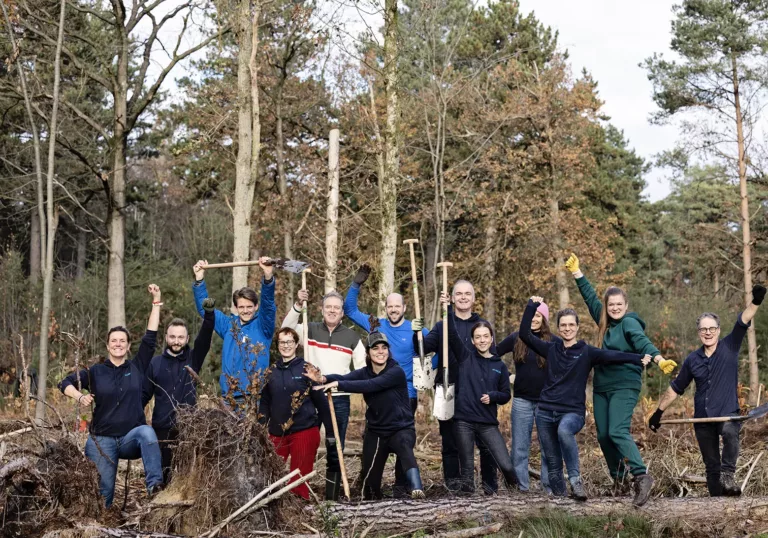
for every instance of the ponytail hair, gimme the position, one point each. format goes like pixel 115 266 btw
pixel 612 291
pixel 521 350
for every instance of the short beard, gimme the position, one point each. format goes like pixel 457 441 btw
pixel 396 321
pixel 181 348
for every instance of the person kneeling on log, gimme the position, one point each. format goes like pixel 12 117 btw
pixel 119 429
pixel 482 384
pixel 293 411
pixel 715 368
pixel 389 423
pixel 561 411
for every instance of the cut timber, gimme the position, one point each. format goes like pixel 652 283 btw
pixel 401 516
pixel 95 531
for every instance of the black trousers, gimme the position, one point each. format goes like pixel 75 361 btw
pixel 451 464
pixel 708 436
pixel 167 439
pixel 376 450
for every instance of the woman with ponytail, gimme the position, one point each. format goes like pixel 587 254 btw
pixel 616 387
pixel 530 375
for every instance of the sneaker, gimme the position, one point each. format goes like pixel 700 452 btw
pixel 577 490
pixel 643 485
pixel 730 488
pixel 418 494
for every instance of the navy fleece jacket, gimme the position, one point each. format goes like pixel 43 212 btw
pixel 529 376
pixel 385 393
pixel 477 375
pixel 117 390
pixel 279 406
pixel 169 381
pixel 568 367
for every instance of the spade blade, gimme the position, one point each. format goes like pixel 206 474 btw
pixel 758 412
pixel 292 266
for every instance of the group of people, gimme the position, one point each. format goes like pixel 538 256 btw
pixel 550 380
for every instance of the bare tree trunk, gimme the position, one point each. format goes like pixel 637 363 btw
pixel 332 213
pixel 82 253
pixel 716 284
pixel 754 373
pixel 34 248
pixel 52 221
pixel 562 278
pixel 253 67
pixel 430 263
pixel 388 183
pixel 491 248
pixel 283 187
pixel 245 183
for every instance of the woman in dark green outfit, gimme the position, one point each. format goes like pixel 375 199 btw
pixel 616 387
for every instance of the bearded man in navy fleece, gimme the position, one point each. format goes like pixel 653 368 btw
pixel 715 369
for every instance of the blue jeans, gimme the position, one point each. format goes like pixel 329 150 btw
pixel 140 442
pixel 557 433
pixel 523 416
pixel 341 405
pixel 466 434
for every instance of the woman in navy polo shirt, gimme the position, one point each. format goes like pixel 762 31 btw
pixel 119 429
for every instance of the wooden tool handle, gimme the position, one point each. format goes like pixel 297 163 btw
pixel 702 420
pixel 414 279
pixel 339 449
pixel 304 321
pixel 445 266
pixel 230 264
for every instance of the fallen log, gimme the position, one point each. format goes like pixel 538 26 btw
pixel 96 531
pixel 402 516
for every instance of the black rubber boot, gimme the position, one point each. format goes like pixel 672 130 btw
pixel 643 485
pixel 332 486
pixel 414 482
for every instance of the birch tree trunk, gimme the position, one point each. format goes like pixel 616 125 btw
pixel 283 187
pixel 245 183
pixel 34 248
pixel 332 212
pixel 754 373
pixel 388 182
pixel 51 221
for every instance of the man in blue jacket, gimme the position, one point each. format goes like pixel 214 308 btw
pixel 171 383
pixel 247 335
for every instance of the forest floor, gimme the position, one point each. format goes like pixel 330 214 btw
pixel 672 456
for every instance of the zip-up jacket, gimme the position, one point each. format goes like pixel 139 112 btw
pixel 169 381
pixel 529 377
pixel 568 367
pixel 385 393
pixel 478 375
pixel 116 390
pixel 331 351
pixel 289 404
pixel 625 334
pixel 400 338
pixel 433 343
pixel 246 345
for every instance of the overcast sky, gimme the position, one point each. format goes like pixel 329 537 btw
pixel 610 38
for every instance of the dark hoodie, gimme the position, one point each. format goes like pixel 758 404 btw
pixel 568 368
pixel 169 381
pixel 116 390
pixel 529 376
pixel 625 334
pixel 286 386
pixel 433 343
pixel 385 393
pixel 477 375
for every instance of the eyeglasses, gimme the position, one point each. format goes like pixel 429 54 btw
pixel 286 343
pixel 708 330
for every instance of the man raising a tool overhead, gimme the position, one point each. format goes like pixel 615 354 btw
pixel 715 368
pixel 247 335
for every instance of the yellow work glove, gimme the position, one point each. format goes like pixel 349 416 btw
pixel 572 264
pixel 667 365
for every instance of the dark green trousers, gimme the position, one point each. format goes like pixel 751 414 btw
pixel 613 419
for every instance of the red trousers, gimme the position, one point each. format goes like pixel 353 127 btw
pixel 302 448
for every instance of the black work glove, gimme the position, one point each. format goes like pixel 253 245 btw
pixel 654 423
pixel 758 294
pixel 331 456
pixel 362 274
pixel 209 304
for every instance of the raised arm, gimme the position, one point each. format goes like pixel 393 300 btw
pixel 350 301
pixel 588 293
pixel 267 308
pixel 149 340
pixel 526 334
pixel 200 292
pixel 204 336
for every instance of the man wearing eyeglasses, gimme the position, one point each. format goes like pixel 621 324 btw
pixel 715 369
pixel 334 349
pixel 247 335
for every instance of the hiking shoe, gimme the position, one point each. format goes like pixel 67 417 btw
pixel 417 494
pixel 577 490
pixel 730 488
pixel 152 491
pixel 643 485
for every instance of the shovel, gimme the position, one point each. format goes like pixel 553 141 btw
pixel 757 412
pixel 443 408
pixel 292 266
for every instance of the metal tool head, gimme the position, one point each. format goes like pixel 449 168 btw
pixel 758 412
pixel 292 266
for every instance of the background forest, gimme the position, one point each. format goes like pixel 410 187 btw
pixel 461 124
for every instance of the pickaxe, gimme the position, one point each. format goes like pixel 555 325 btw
pixel 292 266
pixel 757 412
